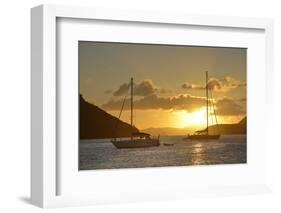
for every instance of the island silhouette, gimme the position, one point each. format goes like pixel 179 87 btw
pixel 96 123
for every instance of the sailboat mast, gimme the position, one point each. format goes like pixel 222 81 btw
pixel 132 102
pixel 207 102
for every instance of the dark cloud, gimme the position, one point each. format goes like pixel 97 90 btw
pixel 215 84
pixel 219 85
pixel 228 106
pixel 122 90
pixel 143 88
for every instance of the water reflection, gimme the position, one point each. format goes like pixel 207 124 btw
pixel 103 155
pixel 198 156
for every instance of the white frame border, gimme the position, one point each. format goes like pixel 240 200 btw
pixel 43 91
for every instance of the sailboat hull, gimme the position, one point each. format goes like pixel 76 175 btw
pixel 203 137
pixel 135 143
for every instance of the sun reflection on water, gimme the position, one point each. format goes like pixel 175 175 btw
pixel 198 156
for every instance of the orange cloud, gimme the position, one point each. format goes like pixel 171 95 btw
pixel 224 107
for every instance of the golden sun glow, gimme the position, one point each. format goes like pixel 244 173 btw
pixel 197 118
pixel 175 119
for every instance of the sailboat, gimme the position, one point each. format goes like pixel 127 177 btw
pixel 137 139
pixel 204 134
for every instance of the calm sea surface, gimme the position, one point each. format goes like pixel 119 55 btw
pixel 101 154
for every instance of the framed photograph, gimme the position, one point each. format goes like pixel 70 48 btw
pixel 129 106
pixel 154 119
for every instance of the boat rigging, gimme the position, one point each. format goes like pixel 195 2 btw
pixel 137 139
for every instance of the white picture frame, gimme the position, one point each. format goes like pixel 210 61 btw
pixel 44 149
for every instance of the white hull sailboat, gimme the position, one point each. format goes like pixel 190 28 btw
pixel 136 143
pixel 137 139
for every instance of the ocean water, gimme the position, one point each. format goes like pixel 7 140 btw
pixel 101 154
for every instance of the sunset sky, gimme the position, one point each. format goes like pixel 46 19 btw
pixel 169 82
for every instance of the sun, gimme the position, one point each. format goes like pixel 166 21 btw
pixel 197 118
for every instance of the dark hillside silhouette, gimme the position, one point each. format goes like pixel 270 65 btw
pixel 95 123
pixel 231 129
pixel 225 129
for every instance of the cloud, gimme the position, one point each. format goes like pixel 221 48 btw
pixel 232 83
pixel 164 91
pixel 192 86
pixel 122 90
pixel 143 88
pixel 224 107
pixel 179 102
pixel 215 84
pixel 219 85
pixel 228 106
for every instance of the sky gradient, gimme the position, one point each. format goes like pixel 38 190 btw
pixel 169 81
